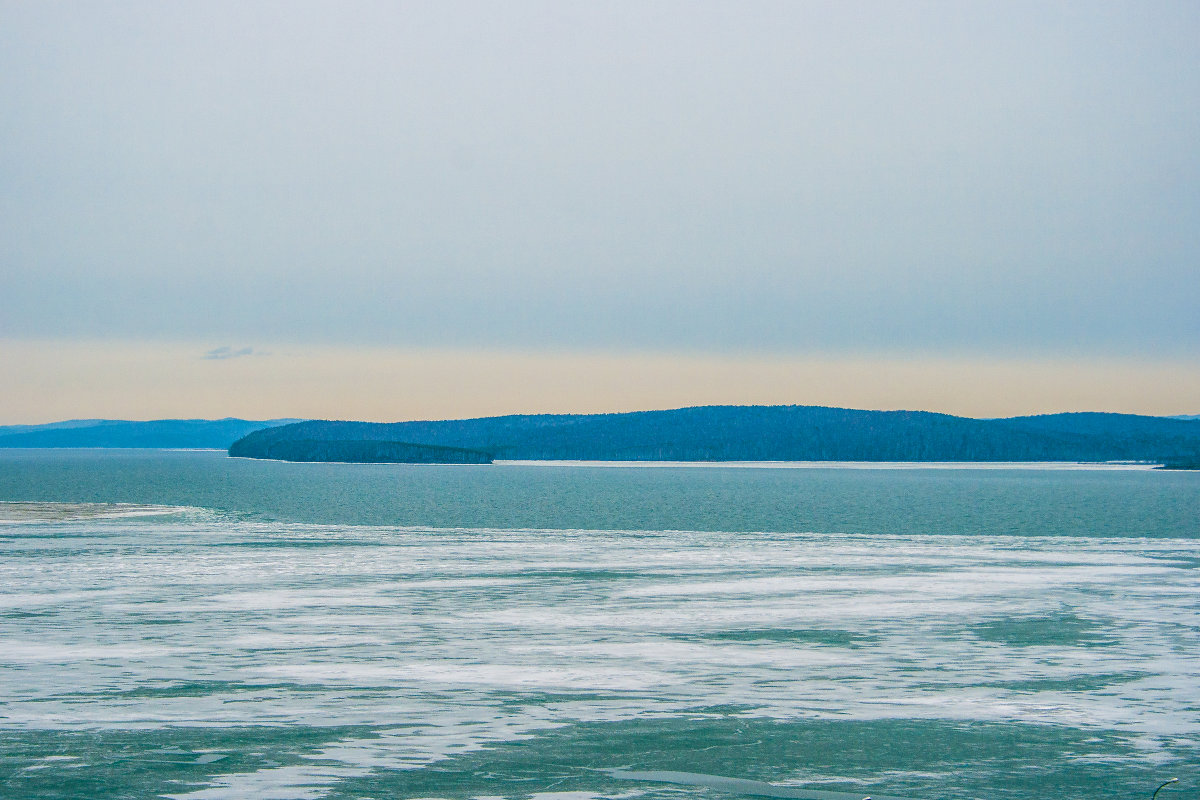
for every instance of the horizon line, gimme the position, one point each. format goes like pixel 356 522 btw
pixel 288 420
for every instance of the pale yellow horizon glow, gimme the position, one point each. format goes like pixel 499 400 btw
pixel 49 381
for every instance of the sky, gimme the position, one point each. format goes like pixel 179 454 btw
pixel 426 210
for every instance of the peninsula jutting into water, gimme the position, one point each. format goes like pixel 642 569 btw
pixel 736 433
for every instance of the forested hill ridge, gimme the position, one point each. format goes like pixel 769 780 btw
pixel 199 434
pixel 751 433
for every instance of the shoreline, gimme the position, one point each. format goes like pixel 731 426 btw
pixel 864 465
pixel 1111 466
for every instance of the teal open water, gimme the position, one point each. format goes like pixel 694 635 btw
pixel 182 624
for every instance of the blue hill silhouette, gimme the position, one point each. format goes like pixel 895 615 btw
pixel 745 433
pixel 162 433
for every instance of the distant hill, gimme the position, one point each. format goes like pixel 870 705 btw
pixel 162 433
pixel 757 433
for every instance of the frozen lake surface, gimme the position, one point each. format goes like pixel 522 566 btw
pixel 248 630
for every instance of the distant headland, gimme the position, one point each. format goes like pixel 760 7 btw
pixel 737 433
pixel 184 434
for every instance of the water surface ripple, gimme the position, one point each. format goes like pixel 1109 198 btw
pixel 187 625
pixel 414 647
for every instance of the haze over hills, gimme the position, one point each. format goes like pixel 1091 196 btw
pixel 201 434
pixel 742 433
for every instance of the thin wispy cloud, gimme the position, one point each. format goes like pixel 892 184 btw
pixel 227 352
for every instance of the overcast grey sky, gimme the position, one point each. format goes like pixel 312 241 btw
pixel 985 180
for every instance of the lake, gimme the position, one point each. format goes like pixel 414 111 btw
pixel 183 624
